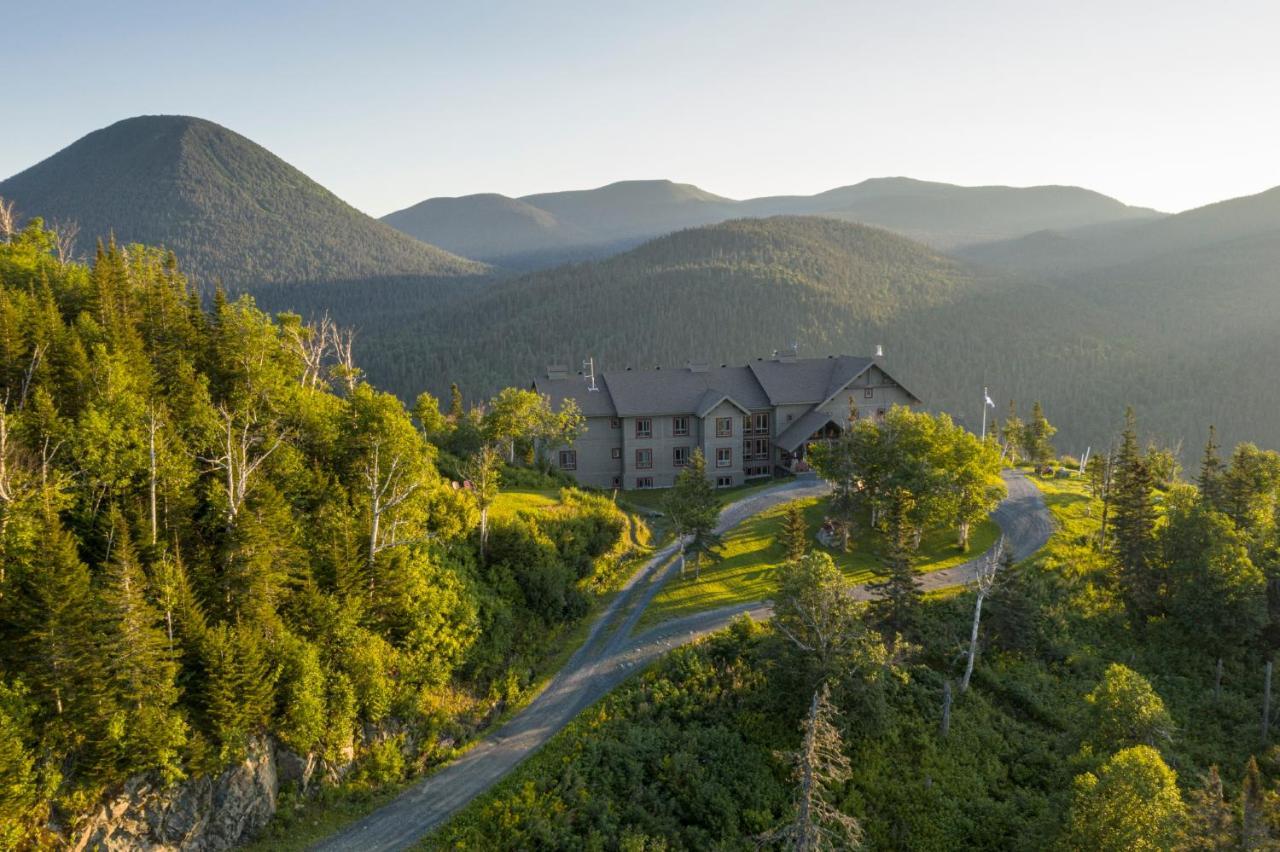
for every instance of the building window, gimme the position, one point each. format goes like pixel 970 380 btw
pixel 644 427
pixel 762 424
pixel 724 482
pixel 724 457
pixel 568 460
pixel 644 459
pixel 724 427
pixel 762 448
pixel 869 393
pixel 615 423
pixel 679 456
pixel 644 482
pixel 679 426
pixel 616 453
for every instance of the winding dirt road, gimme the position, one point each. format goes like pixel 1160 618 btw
pixel 611 654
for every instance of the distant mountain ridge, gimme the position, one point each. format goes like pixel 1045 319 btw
pixel 600 221
pixel 231 209
pixel 1067 251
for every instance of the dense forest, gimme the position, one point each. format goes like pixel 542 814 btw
pixel 1122 698
pixel 1175 336
pixel 212 530
pixel 233 211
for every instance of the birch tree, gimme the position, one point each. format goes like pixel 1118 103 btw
pixel 984 581
pixel 246 445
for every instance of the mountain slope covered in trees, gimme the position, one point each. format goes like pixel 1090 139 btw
pixel 229 207
pixel 212 531
pixel 595 222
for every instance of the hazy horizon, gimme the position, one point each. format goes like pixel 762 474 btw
pixel 1156 104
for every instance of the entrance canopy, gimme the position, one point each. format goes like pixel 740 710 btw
pixel 802 430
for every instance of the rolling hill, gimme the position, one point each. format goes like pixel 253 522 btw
pixel 1065 252
pixel 227 206
pixel 541 230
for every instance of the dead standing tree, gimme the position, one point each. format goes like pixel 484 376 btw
pixel 390 485
pixel 820 766
pixel 245 448
pixel 984 582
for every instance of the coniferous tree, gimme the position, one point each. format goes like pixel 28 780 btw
pixel 898 597
pixel 140 663
pixel 1037 437
pixel 820 766
pixel 1255 824
pixel 1209 480
pixel 1012 611
pixel 795 533
pixel 1211 821
pixel 455 403
pixel 694 511
pixel 1132 521
pixel 56 612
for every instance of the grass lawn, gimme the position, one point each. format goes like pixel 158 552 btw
pixel 752 553
pixel 650 499
pixel 508 503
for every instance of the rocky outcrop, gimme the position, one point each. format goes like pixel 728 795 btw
pixel 200 815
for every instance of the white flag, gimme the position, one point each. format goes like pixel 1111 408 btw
pixel 986 396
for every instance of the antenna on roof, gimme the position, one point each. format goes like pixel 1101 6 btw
pixel 589 368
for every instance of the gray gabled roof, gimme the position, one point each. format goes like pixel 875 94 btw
pixel 597 403
pixel 799 431
pixel 807 381
pixel 682 391
pixel 758 385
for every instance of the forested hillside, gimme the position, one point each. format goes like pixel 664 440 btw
pixel 1112 693
pixel 213 531
pixel 538 230
pixel 1178 336
pixel 233 210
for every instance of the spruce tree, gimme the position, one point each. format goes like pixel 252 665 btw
pixel 1209 480
pixel 795 533
pixel 139 662
pixel 1133 520
pixel 1037 436
pixel 455 403
pixel 1255 828
pixel 898 598
pixel 1211 821
pixel 694 511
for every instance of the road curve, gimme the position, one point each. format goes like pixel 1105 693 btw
pixel 591 672
pixel 608 657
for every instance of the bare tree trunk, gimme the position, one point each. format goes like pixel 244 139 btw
pixel 946 707
pixel 151 448
pixel 1217 680
pixel 1266 705
pixel 964 535
pixel 973 642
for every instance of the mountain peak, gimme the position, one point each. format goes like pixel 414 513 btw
pixel 230 208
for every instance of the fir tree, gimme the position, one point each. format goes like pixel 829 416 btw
pixel 1037 435
pixel 1132 521
pixel 1211 821
pixel 898 598
pixel 455 403
pixel 795 533
pixel 1255 828
pixel 139 662
pixel 1209 480
pixel 694 511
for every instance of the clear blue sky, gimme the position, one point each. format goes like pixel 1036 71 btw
pixel 1168 104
